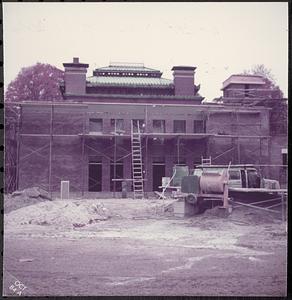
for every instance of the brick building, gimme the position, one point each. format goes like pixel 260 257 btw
pixel 87 138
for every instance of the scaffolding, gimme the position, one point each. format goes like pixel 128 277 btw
pixel 234 148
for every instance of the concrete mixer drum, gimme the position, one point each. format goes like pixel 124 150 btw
pixel 213 183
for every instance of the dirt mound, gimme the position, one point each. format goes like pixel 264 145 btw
pixel 243 215
pixel 62 213
pixel 254 216
pixel 19 199
pixel 139 209
pixel 217 212
pixel 160 209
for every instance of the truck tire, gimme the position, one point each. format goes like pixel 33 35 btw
pixel 192 199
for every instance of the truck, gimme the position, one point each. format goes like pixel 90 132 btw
pixel 209 185
pixel 245 181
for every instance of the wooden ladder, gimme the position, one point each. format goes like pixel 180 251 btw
pixel 137 161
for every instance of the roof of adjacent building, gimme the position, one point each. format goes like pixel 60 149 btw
pixel 129 81
pixel 243 79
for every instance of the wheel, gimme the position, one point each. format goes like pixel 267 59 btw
pixel 191 198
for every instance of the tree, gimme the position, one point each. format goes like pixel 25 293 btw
pixel 39 82
pixel 268 77
pixel 279 112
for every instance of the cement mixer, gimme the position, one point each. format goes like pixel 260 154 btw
pixel 206 187
pixel 245 183
pixel 213 182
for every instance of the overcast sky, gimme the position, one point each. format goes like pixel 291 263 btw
pixel 220 39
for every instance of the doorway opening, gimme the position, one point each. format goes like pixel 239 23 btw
pixel 94 177
pixel 158 171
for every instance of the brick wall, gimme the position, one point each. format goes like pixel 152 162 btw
pixel 70 121
pixel 277 143
pixel 241 123
pixel 34 150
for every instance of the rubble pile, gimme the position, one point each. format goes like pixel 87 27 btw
pixel 158 208
pixel 62 213
pixel 29 196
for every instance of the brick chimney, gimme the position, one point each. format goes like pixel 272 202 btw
pixel 75 77
pixel 183 78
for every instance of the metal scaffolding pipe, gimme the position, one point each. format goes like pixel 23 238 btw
pixel 50 154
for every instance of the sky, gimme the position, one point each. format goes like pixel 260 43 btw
pixel 220 39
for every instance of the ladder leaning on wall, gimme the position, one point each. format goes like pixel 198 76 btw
pixel 138 188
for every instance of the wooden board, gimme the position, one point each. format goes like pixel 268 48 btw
pixel 257 190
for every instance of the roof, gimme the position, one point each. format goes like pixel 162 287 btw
pixel 129 81
pixel 183 68
pixel 243 79
pixel 77 65
pixel 127 68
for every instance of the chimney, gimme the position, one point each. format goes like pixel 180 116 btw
pixel 183 78
pixel 75 77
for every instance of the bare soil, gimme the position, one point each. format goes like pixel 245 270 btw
pixel 140 250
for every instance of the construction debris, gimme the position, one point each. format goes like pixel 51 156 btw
pixel 19 199
pixel 217 211
pixel 62 213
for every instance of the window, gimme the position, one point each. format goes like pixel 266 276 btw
pixel 141 124
pixel 199 126
pixel 117 125
pixel 253 179
pixel 179 126
pixel 246 90
pixel 95 125
pixel 234 174
pixel 284 158
pixel 159 126
pixel 213 170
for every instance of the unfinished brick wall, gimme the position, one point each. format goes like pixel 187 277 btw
pixel 70 121
pixel 65 143
pixel 33 162
pixel 67 162
pixel 237 123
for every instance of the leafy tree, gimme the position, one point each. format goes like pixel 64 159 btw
pixel 279 112
pixel 39 82
pixel 268 77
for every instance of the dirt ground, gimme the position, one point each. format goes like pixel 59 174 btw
pixel 139 250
